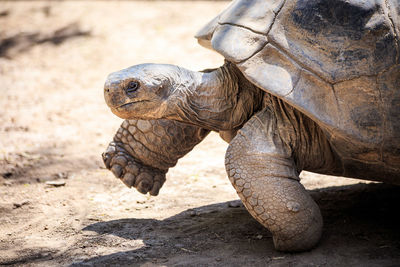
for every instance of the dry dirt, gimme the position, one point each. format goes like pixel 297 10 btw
pixel 54 125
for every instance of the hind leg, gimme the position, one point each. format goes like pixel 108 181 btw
pixel 261 168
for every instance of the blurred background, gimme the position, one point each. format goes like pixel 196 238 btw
pixel 59 206
pixel 54 59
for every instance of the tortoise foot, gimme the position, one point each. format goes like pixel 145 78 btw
pixel 301 241
pixel 261 168
pixel 131 171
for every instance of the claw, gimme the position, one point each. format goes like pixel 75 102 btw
pixel 109 154
pixel 142 177
pixel 129 180
pixel 144 182
pixel 159 178
pixel 120 160
pixel 117 170
pixel 144 187
pixel 133 173
pixel 110 149
pixel 156 188
pixel 106 159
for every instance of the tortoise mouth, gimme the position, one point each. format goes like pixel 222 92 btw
pixel 131 103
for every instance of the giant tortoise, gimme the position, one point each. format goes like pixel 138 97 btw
pixel 307 85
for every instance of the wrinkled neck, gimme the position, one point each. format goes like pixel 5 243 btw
pixel 219 99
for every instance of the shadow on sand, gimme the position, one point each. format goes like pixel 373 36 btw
pixel 43 163
pixel 360 223
pixel 23 42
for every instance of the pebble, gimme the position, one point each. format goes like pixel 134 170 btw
pixel 20 204
pixel 234 204
pixel 56 183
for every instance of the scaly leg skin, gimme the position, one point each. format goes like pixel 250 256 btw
pixel 261 168
pixel 144 150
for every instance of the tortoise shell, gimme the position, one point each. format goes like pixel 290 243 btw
pixel 335 61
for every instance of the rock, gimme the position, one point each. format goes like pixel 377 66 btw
pixel 20 204
pixel 56 183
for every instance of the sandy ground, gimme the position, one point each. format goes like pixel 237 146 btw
pixel 54 125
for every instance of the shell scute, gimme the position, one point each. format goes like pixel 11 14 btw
pixel 338 40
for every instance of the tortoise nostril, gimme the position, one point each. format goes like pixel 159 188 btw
pixel 107 90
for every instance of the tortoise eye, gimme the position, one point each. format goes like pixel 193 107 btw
pixel 132 87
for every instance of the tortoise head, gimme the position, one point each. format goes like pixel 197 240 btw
pixel 141 91
pixel 217 99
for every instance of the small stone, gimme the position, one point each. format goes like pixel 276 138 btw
pixel 7 175
pixel 234 204
pixel 193 213
pixel 20 204
pixel 160 260
pixel 56 183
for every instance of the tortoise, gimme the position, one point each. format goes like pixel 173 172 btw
pixel 306 85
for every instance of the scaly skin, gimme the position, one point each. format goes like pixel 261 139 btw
pixel 144 150
pixel 264 157
pixel 261 168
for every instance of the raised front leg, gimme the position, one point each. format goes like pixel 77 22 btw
pixel 261 168
pixel 143 150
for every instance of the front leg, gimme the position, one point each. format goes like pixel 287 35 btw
pixel 143 150
pixel 263 172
